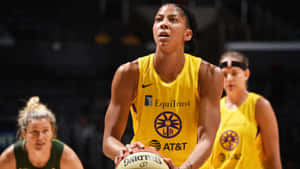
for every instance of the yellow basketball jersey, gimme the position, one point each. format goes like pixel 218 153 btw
pixel 237 145
pixel 165 115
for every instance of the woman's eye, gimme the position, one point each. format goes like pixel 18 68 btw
pixel 35 133
pixel 173 19
pixel 158 19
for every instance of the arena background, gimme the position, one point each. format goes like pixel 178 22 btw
pixel 66 52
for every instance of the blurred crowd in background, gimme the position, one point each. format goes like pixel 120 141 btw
pixel 65 52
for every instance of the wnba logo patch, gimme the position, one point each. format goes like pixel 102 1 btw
pixel 168 124
pixel 148 100
pixel 229 140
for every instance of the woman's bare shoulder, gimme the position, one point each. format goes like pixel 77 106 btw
pixel 7 158
pixel 131 67
pixel 210 78
pixel 69 159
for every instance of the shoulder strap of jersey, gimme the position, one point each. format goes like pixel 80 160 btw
pixel 56 152
pixel 20 154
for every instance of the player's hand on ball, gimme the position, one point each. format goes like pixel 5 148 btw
pixel 129 149
pixel 170 163
pixel 144 158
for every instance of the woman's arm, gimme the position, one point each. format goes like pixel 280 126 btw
pixel 123 91
pixel 267 122
pixel 210 90
pixel 69 159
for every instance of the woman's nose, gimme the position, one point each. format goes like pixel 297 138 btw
pixel 164 24
pixel 228 77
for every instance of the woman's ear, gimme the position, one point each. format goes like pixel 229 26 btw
pixel 188 34
pixel 247 74
pixel 23 133
pixel 54 131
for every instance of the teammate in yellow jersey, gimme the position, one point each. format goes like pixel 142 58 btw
pixel 173 97
pixel 248 134
pixel 36 148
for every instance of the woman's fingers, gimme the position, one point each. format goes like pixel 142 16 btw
pixel 139 145
pixel 170 163
pixel 129 149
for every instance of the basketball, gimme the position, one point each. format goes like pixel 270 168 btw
pixel 142 159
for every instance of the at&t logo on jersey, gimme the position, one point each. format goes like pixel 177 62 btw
pixel 222 157
pixel 168 146
pixel 156 144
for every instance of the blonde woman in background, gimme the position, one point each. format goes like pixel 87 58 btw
pixel 36 147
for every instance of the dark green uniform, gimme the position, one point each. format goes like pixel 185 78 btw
pixel 24 163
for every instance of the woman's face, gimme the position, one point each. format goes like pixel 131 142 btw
pixel 38 133
pixel 235 78
pixel 169 28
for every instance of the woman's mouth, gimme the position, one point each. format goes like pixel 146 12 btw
pixel 163 36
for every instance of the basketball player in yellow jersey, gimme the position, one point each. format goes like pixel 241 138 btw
pixel 174 97
pixel 248 134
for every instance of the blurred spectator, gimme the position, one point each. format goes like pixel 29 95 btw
pixel 84 141
pixel 277 85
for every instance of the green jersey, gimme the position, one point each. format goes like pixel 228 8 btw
pixel 22 161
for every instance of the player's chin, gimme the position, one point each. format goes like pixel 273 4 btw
pixel 39 147
pixel 229 89
pixel 163 43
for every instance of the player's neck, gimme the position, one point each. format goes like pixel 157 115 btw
pixel 237 98
pixel 168 65
pixel 39 158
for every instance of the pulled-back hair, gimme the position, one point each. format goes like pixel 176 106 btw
pixel 192 45
pixel 34 110
pixel 235 54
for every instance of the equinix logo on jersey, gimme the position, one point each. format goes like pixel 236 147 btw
pixel 165 104
pixel 148 100
pixel 171 103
